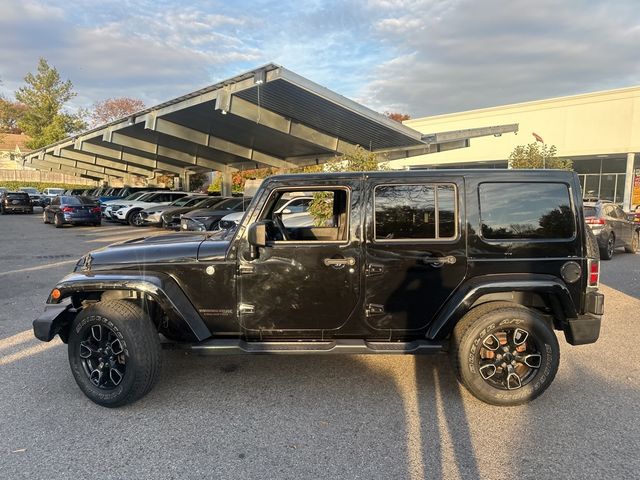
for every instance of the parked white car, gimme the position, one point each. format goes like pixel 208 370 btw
pixel 131 212
pixel 52 192
pixel 107 206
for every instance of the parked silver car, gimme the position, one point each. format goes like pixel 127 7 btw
pixel 611 226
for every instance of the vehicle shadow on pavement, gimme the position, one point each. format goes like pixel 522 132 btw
pixel 629 282
pixel 336 417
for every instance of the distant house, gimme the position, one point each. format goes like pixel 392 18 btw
pixel 12 145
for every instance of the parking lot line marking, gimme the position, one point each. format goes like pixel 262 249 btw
pixel 16 339
pixel 39 267
pixel 28 352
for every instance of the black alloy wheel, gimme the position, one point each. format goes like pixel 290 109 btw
pixel 508 358
pixel 607 252
pixel 102 357
pixel 504 353
pixel 114 352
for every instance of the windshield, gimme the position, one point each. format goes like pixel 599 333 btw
pixel 210 202
pixel 56 191
pixel 29 190
pixel 145 197
pixel 233 204
pixel 185 202
pixel 135 196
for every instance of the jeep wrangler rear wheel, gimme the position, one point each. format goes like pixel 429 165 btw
pixel 505 356
pixel 114 352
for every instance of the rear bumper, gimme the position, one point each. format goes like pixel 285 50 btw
pixel 18 208
pixel 586 328
pixel 55 320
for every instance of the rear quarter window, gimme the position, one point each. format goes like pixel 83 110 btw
pixel 526 210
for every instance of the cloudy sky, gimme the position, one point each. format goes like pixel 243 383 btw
pixel 421 57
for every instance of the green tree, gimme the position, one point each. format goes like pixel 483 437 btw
pixel 535 156
pixel 358 160
pixel 45 96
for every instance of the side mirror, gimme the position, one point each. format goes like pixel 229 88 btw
pixel 257 237
pixel 287 211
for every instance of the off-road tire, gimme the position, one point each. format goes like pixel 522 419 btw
pixel 469 334
pixel 606 253
pixel 633 248
pixel 44 218
pixel 57 221
pixel 140 345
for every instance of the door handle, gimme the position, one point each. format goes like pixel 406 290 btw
pixel 339 262
pixel 448 260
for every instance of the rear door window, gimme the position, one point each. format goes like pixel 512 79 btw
pixel 415 212
pixel 526 210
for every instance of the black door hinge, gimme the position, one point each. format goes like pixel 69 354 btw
pixel 373 309
pixel 374 269
pixel 246 269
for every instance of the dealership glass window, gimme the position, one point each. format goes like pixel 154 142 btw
pixel 520 210
pixel 605 187
pixel 423 211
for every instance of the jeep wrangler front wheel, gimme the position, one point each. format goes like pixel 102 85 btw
pixel 114 352
pixel 505 355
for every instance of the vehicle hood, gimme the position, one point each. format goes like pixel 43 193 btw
pixel 178 210
pixel 136 203
pixel 157 208
pixel 208 212
pixel 161 249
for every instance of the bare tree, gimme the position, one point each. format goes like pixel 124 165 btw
pixel 112 109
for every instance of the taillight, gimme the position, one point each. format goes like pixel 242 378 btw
pixel 96 210
pixel 67 209
pixel 594 272
pixel 594 221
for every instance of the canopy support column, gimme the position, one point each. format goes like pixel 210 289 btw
pixel 227 182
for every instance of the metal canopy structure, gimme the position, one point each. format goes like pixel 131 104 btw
pixel 268 117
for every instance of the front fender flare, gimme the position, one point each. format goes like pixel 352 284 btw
pixel 465 297
pixel 160 286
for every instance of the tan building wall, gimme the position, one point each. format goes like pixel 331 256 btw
pixel 601 125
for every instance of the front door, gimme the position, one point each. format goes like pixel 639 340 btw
pixel 415 251
pixel 306 281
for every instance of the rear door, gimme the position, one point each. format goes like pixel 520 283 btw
pixel 415 251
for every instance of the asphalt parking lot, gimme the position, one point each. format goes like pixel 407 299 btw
pixel 263 417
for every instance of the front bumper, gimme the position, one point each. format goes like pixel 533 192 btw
pixel 151 218
pixel 55 320
pixel 586 328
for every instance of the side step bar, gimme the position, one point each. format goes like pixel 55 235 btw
pixel 237 346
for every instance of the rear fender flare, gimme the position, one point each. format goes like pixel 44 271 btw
pixel 462 301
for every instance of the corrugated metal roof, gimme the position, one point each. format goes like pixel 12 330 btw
pixel 269 116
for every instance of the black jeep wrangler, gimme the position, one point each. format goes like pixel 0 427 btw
pixel 484 265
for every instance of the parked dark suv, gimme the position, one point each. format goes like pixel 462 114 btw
pixel 612 227
pixel 15 202
pixel 482 264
